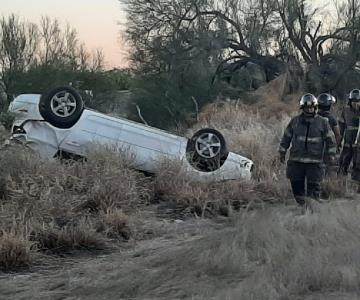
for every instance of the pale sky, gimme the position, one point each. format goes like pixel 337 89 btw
pixel 96 22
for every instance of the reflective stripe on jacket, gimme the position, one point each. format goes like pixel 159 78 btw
pixel 310 139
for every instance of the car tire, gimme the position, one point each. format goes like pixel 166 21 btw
pixel 206 151
pixel 61 107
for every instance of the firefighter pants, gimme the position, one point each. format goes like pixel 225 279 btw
pixel 346 157
pixel 355 173
pixel 300 173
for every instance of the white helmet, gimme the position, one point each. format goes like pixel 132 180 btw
pixel 308 100
pixel 354 95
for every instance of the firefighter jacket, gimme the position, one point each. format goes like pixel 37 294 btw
pixel 349 125
pixel 310 139
pixel 331 118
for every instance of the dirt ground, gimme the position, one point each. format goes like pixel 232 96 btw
pixel 192 259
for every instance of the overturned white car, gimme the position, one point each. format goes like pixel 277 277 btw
pixel 56 123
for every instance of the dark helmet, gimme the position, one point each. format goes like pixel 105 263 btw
pixel 308 100
pixel 354 95
pixel 325 100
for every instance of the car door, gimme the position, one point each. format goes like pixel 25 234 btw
pixel 90 130
pixel 151 144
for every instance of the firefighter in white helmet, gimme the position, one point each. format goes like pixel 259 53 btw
pixel 309 136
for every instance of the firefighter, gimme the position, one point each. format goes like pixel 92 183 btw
pixel 349 125
pixel 309 136
pixel 325 101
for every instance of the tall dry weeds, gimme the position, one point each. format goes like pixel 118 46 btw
pixel 187 196
pixel 253 135
pixel 250 134
pixel 64 206
pixel 275 253
pixel 256 134
pixel 15 251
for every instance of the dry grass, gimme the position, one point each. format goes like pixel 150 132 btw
pixel 66 206
pixel 249 132
pixel 60 207
pixel 60 240
pixel 274 253
pixel 334 187
pixel 117 224
pixel 15 252
pixel 211 199
pixel 252 135
pixel 301 254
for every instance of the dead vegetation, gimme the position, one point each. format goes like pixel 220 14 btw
pixel 274 253
pixel 61 207
pixel 255 136
pixel 15 251
pixel 58 207
pixel 266 254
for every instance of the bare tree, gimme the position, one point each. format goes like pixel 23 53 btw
pixel 270 33
pixel 24 47
pixel 233 32
pixel 84 58
pixel 18 45
pixel 72 48
pixel 328 49
pixel 97 63
pixel 52 41
pixel 61 47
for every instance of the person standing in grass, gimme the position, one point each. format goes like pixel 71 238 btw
pixel 349 127
pixel 325 101
pixel 309 137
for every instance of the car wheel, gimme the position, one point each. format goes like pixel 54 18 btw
pixel 61 107
pixel 206 151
